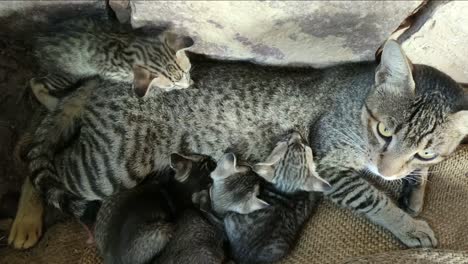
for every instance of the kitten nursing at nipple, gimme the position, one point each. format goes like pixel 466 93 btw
pixel 269 234
pixel 133 226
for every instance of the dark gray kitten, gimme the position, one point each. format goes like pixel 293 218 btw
pixel 135 225
pixel 269 234
pixel 195 241
pixel 82 47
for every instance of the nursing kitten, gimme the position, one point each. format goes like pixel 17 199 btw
pixel 135 225
pixel 389 118
pixel 268 235
pixel 235 187
pixel 82 47
pixel 195 241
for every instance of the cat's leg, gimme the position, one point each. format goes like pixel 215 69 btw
pixel 42 88
pixel 351 191
pixel 412 197
pixel 27 226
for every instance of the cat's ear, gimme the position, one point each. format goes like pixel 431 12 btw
pixel 255 204
pixel 460 120
pixel 141 80
pixel 225 166
pixel 178 42
pixel 265 170
pixel 277 153
pixel 181 165
pixel 394 72
pixel 314 183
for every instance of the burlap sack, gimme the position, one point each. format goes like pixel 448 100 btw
pixel 332 235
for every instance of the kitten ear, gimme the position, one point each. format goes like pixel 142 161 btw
pixel 181 165
pixel 255 204
pixel 460 120
pixel 277 153
pixel 141 80
pixel 178 42
pixel 226 166
pixel 314 183
pixel 394 71
pixel 265 170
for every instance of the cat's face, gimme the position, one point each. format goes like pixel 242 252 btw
pixel 414 118
pixel 290 167
pixel 165 65
pixel 235 187
pixel 192 171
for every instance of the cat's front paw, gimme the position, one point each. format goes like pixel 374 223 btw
pixel 417 233
pixel 412 204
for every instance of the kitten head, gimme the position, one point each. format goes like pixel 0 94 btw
pixel 291 168
pixel 235 187
pixel 163 64
pixel 415 116
pixel 192 172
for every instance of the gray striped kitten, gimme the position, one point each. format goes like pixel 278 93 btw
pixel 389 118
pixel 82 47
pixel 268 235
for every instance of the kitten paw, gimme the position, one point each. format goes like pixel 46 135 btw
pixel 42 94
pixel 417 234
pixel 25 231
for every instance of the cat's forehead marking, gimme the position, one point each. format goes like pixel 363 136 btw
pixel 424 116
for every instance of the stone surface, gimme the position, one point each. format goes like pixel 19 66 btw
pixel 122 9
pixel 442 40
pixel 317 33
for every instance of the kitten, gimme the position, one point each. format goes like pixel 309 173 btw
pixel 390 118
pixel 135 225
pixel 83 47
pixel 268 235
pixel 235 187
pixel 195 240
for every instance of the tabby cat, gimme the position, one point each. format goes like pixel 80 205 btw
pixel 267 235
pixel 388 118
pixel 83 47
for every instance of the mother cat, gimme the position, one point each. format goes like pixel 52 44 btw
pixel 390 119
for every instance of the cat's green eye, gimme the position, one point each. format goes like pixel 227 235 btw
pixel 426 155
pixel 383 131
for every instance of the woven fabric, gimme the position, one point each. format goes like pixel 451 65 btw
pixel 63 243
pixel 334 235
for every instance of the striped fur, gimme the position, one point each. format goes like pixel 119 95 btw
pixel 246 109
pixel 268 235
pixel 83 47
